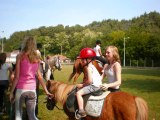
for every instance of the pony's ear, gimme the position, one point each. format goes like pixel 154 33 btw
pixel 48 84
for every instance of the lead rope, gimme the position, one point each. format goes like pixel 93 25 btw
pixel 58 107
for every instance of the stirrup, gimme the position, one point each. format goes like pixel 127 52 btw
pixel 77 115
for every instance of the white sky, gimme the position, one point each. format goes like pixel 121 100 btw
pixel 20 15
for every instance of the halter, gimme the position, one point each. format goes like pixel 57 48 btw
pixel 51 103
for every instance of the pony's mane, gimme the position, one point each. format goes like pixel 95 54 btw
pixel 60 90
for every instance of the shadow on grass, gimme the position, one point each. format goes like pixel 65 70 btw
pixel 142 85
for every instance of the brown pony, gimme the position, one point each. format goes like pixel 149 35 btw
pixel 117 105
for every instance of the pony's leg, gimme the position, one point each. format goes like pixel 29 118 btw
pixel 75 77
pixel 52 74
pixel 75 71
pixel 71 76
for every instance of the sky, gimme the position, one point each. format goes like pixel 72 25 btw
pixel 22 15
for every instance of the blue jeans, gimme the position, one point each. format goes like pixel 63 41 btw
pixel 29 98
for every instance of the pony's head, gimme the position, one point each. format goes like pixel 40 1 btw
pixel 51 101
pixel 60 92
pixel 57 63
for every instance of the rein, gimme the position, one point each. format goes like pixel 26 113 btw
pixel 58 107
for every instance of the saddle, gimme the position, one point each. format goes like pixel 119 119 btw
pixel 71 102
pixel 93 102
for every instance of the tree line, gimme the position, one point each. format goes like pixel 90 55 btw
pixel 141 34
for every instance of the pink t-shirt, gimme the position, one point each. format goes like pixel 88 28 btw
pixel 27 79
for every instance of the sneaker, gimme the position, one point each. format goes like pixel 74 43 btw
pixel 80 114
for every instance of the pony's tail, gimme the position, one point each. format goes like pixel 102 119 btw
pixel 142 109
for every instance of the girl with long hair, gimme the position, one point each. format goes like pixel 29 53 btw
pixel 27 68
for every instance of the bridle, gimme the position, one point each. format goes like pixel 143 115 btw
pixel 51 102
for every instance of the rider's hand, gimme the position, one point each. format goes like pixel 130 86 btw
pixel 79 85
pixel 104 86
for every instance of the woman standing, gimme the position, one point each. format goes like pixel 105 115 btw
pixel 5 72
pixel 112 70
pixel 27 67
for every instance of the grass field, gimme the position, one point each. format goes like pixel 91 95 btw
pixel 144 83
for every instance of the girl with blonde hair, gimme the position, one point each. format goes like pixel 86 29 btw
pixel 112 70
pixel 27 68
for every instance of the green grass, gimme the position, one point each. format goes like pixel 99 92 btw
pixel 144 83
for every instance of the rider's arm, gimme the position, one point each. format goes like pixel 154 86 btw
pixel 86 81
pixel 89 80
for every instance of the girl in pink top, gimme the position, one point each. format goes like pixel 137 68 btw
pixel 27 68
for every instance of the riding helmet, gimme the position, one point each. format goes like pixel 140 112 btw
pixel 87 53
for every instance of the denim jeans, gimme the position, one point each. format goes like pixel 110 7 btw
pixel 29 98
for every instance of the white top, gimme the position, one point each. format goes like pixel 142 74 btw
pixel 39 53
pixel 111 76
pixel 96 49
pixel 96 78
pixel 4 75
